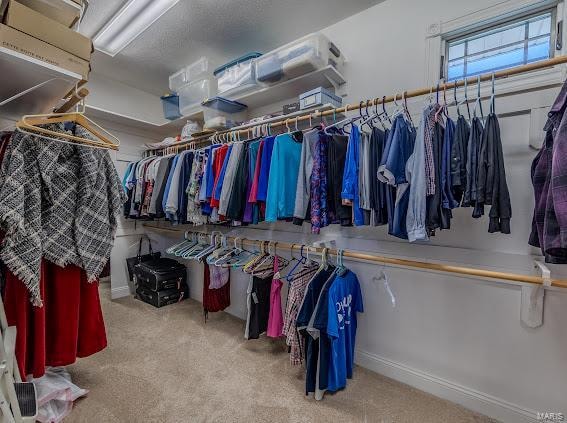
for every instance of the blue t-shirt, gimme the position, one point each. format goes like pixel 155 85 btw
pixel 344 301
pixel 282 183
pixel 265 162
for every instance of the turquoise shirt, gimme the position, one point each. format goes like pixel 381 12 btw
pixel 282 182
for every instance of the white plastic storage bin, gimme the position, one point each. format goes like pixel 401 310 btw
pixel 309 53
pixel 198 70
pixel 193 93
pixel 221 113
pixel 237 76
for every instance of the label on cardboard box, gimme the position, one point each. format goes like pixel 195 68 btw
pixel 35 24
pixel 25 44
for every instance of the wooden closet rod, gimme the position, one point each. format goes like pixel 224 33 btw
pixel 368 103
pixel 469 271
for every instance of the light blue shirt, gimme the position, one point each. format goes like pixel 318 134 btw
pixel 282 181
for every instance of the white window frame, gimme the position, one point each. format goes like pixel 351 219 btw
pixel 439 32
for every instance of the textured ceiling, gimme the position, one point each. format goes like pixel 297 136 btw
pixel 219 29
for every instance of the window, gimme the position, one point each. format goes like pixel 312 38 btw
pixel 512 44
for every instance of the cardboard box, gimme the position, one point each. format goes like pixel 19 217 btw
pixel 57 10
pixel 35 24
pixel 27 45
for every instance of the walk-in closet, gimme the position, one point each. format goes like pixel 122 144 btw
pixel 283 211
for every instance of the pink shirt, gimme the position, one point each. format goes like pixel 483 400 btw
pixel 275 319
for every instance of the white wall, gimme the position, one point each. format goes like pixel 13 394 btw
pixel 120 99
pixel 129 231
pixel 459 338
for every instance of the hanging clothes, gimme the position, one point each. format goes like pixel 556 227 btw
pixel 60 202
pixel 194 190
pixel 304 316
pixel 338 320
pixel 416 175
pixel 364 177
pixel 70 324
pixel 234 181
pixel 296 292
pixel 251 208
pixel 448 203
pixel 215 299
pixel 380 193
pixel 222 158
pixel 473 146
pixel 349 193
pixel 275 318
pixel 318 208
pixel 492 187
pixel 337 152
pixel 435 218
pixel 258 300
pixel 459 158
pixel 392 170
pixel 264 171
pixel 184 180
pixel 304 176
pixel 282 183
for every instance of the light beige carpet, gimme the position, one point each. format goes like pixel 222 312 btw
pixel 167 365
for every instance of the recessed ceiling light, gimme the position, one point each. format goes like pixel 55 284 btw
pixel 133 18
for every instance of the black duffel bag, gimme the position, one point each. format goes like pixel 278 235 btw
pixel 139 258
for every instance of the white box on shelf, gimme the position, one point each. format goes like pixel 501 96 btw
pixel 307 54
pixel 194 93
pixel 196 71
pixel 237 76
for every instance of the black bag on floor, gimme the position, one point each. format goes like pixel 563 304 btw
pixel 139 258
pixel 161 274
pixel 161 298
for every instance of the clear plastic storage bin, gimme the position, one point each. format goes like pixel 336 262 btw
pixel 220 113
pixel 170 105
pixel 200 69
pixel 238 75
pixel 193 93
pixel 177 80
pixel 297 58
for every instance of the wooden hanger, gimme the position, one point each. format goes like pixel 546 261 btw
pixel 30 124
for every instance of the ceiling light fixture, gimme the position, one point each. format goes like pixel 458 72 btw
pixel 131 20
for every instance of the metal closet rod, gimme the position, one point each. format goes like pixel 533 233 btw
pixel 368 103
pixel 469 271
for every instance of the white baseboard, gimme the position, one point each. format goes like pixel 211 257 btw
pixel 122 291
pixel 479 402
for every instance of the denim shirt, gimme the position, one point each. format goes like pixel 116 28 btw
pixel 415 174
pixel 350 175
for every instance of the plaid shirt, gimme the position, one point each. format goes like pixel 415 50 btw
pixel 294 300
pixel 549 178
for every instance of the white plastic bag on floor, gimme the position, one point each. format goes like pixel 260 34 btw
pixel 55 394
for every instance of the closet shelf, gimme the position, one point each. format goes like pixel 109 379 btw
pixel 32 86
pixel 292 88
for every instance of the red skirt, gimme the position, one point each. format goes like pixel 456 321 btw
pixel 69 325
